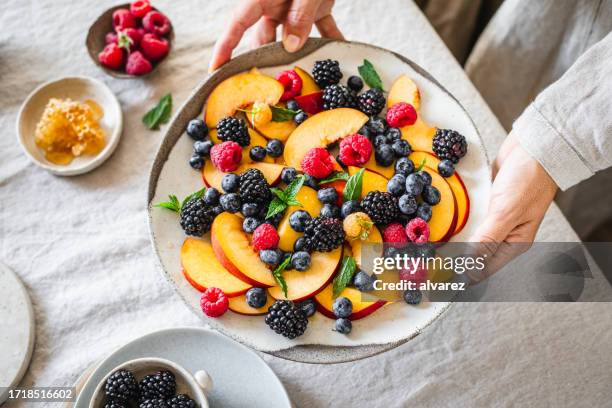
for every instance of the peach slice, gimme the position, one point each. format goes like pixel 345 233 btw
pixel 311 204
pixel 361 308
pixel 371 181
pixel 404 89
pixel 256 140
pixel 321 130
pixel 308 84
pixel 456 184
pixel 233 250
pixel 203 271
pixel 239 305
pixel 213 176
pixel 444 214
pixel 238 91
pixel 276 130
pixel 302 285
pixel 374 237
pixel 387 172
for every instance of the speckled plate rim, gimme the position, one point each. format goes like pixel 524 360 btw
pixel 268 56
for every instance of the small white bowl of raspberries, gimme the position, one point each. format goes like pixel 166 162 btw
pixel 130 40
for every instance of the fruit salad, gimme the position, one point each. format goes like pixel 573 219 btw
pixel 300 171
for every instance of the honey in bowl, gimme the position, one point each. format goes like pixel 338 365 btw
pixel 68 129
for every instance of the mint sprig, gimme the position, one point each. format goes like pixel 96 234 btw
pixel 369 75
pixel 342 279
pixel 175 205
pixel 422 164
pixel 353 187
pixel 280 114
pixel 277 273
pixel 338 175
pixel 159 114
pixel 285 198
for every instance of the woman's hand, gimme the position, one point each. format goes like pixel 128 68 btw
pixel 296 16
pixel 521 193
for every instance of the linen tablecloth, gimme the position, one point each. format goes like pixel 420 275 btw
pixel 81 244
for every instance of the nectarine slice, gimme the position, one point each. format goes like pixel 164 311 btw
pixel 238 91
pixel 404 89
pixel 374 237
pixel 256 140
pixel 311 204
pixel 239 305
pixel 308 84
pixel 371 181
pixel 213 176
pixel 444 214
pixel 321 130
pixel 361 308
pixel 302 285
pixel 371 164
pixel 233 250
pixel 277 130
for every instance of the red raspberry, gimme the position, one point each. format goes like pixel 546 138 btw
pixel 111 56
pixel 156 23
pixel 111 38
pixel 292 83
pixel 318 163
pixel 140 8
pixel 265 237
pixel 401 114
pixel 417 275
pixel 417 230
pixel 214 302
pixel 153 47
pixel 395 233
pixel 122 19
pixel 355 150
pixel 137 64
pixel 226 156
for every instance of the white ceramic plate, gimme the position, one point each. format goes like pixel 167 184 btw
pixel 76 88
pixel 390 325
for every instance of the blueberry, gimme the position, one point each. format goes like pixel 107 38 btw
pixel 288 174
pixel 431 195
pixel 300 261
pixel 363 281
pixel 413 297
pixel 404 166
pixel 274 148
pixel 298 220
pixel 394 134
pixel 308 306
pixel 401 148
pixel 424 211
pixel 365 131
pixel 414 184
pixel 230 183
pixel 211 196
pixel 354 83
pixel 257 153
pixel 342 307
pixel 425 176
pixel 397 185
pixel 330 211
pixel 196 161
pixel 217 209
pixel 250 209
pixel 384 155
pixel 327 195
pixel 446 168
pixel 300 244
pixel 391 251
pixel 311 181
pixel 343 326
pixel 271 256
pixel 349 207
pixel 407 204
pixel 256 297
pixel 250 224
pixel 202 148
pixel 293 105
pixel 300 117
pixel 380 140
pixel 197 129
pixel 377 125
pixel 230 202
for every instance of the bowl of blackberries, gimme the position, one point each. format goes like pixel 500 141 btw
pixel 152 383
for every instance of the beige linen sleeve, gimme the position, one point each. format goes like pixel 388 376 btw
pixel 568 128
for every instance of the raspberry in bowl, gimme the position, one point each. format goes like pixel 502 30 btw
pixel 130 40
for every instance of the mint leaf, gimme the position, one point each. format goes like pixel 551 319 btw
pixel 294 187
pixel 354 184
pixel 422 164
pixel 159 114
pixel 172 205
pixel 278 275
pixel 276 206
pixel 285 198
pixel 338 175
pixel 369 75
pixel 279 193
pixel 197 194
pixel 344 276
pixel 280 114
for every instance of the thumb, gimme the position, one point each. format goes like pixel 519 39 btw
pixel 299 22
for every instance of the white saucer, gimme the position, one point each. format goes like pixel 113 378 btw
pixel 16 330
pixel 78 88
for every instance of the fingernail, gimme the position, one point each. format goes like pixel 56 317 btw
pixel 291 43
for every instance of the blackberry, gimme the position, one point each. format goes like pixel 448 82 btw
pixel 449 144
pixel 372 102
pixel 338 96
pixel 286 319
pixel 121 385
pixel 153 403
pixel 254 188
pixel 196 217
pixel 326 72
pixel 181 401
pixel 115 404
pixel 324 234
pixel 381 207
pixel 233 129
pixel 162 384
